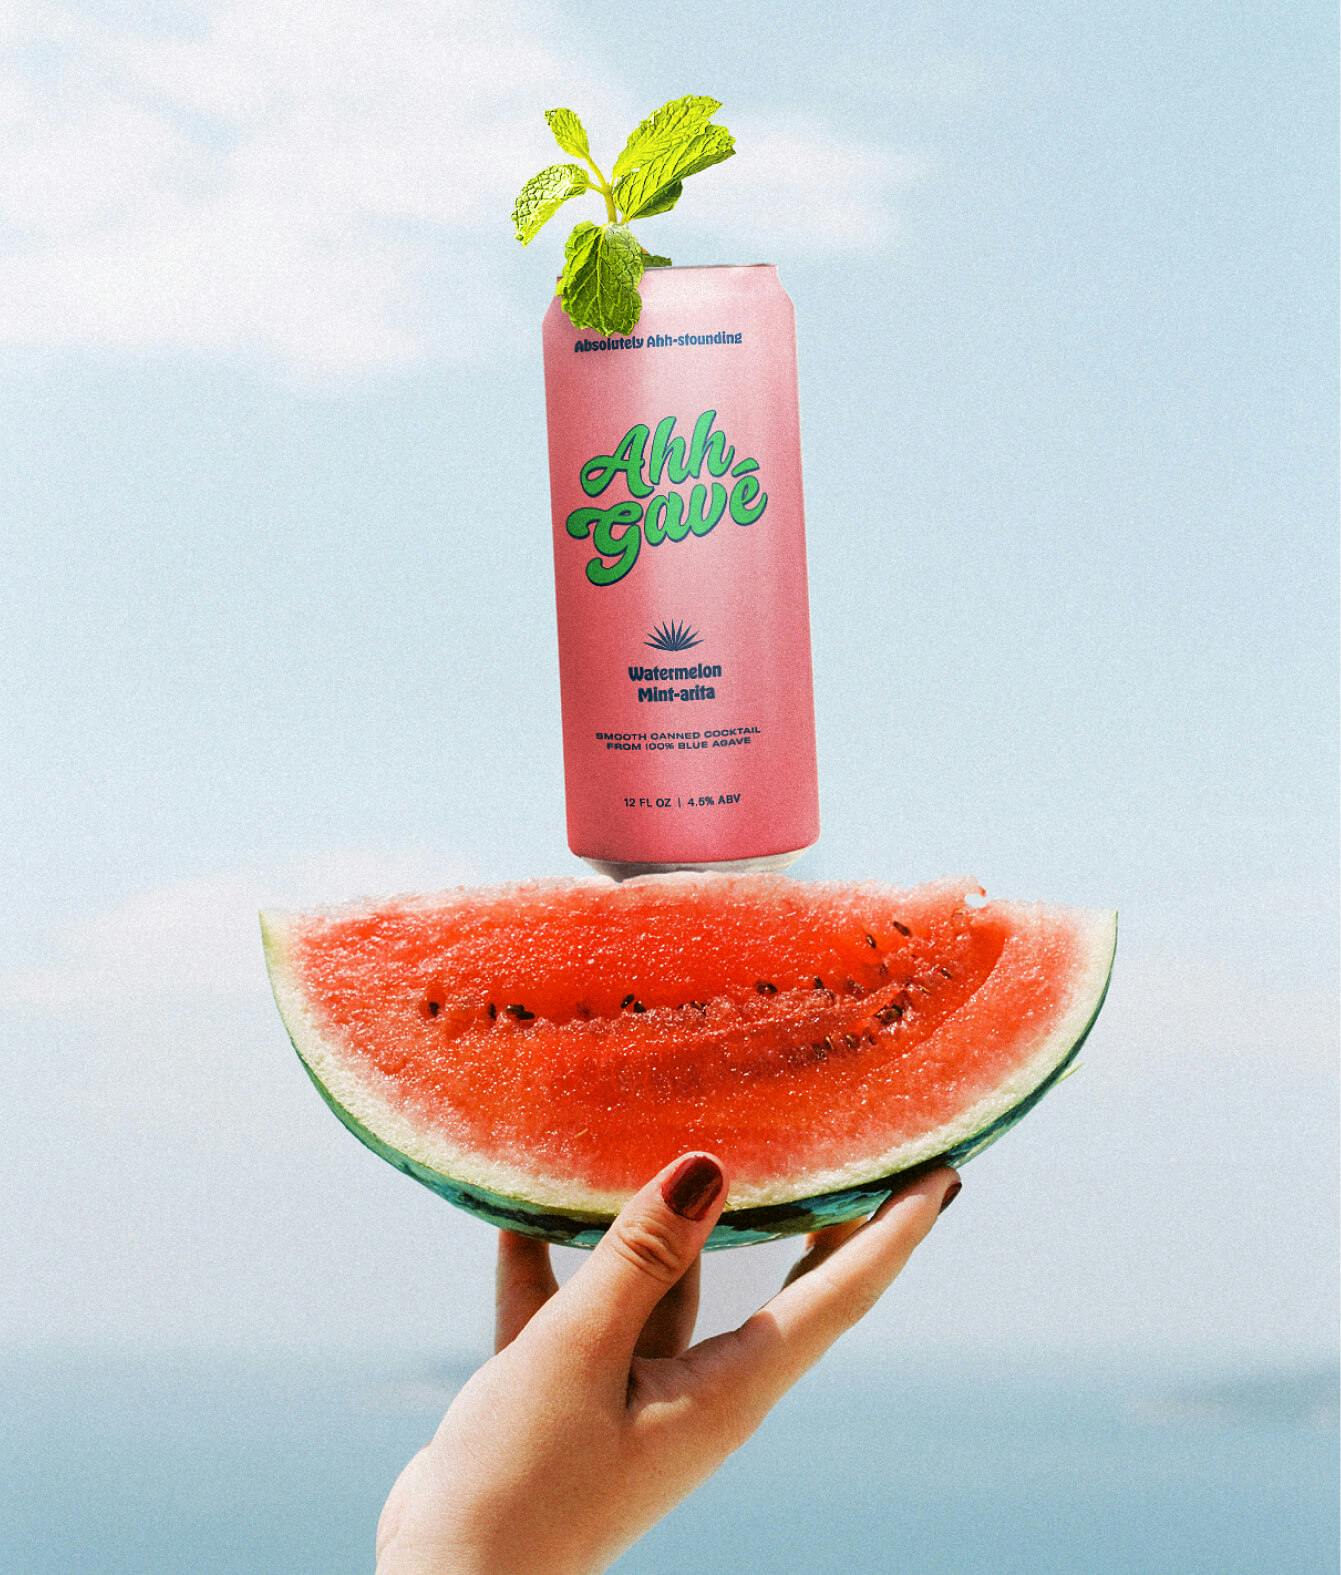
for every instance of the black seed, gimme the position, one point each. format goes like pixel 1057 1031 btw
pixel 520 1013
pixel 818 982
pixel 870 941
pixel 946 972
pixel 639 1007
pixel 432 1007
pixel 699 1006
pixel 765 988
pixel 882 972
pixel 853 988
pixel 626 1003
pixel 889 1014
pixel 493 1011
pixel 850 1041
pixel 822 1047
pixel 901 928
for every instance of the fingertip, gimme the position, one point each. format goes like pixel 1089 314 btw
pixel 694 1185
pixel 516 1244
pixel 940 1186
pixel 522 1256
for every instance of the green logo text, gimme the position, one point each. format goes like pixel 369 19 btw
pixel 642 458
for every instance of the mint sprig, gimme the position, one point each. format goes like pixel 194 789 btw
pixel 603 263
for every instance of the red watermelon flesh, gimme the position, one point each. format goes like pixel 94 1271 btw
pixel 553 1044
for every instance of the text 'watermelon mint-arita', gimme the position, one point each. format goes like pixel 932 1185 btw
pixel 680 576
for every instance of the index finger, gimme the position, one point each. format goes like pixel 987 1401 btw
pixel 753 1366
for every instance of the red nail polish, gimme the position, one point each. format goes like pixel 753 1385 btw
pixel 691 1188
pixel 951 1193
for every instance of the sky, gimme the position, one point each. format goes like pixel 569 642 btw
pixel 278 628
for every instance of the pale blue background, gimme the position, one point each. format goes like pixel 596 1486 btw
pixel 277 622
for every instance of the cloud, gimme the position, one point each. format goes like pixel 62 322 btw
pixel 324 187
pixel 197 940
pixel 276 181
pixel 797 185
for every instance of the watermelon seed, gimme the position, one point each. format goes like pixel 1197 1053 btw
pixel 850 1041
pixel 945 971
pixel 765 988
pixel 882 972
pixel 901 928
pixel 853 988
pixel 699 1006
pixel 871 942
pixel 819 983
pixel 520 1013
pixel 889 1014
pixel 639 1007
pixel 626 1003
pixel 493 1011
pixel 822 1047
pixel 432 1006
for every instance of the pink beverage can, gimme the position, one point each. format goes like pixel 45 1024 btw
pixel 680 575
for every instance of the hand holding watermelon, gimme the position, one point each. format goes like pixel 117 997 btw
pixel 596 1417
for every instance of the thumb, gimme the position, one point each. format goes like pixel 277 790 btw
pixel 657 1235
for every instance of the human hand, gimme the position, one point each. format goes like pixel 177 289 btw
pixel 595 1417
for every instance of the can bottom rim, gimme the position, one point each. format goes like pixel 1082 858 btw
pixel 620 869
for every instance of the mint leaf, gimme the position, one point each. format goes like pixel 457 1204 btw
pixel 674 122
pixel 651 260
pixel 543 195
pixel 568 132
pixel 580 238
pixel 602 265
pixel 664 202
pixel 647 187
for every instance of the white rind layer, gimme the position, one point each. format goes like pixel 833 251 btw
pixel 368 1096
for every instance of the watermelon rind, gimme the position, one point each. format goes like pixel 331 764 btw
pixel 560 1211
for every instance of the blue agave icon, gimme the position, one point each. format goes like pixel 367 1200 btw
pixel 673 636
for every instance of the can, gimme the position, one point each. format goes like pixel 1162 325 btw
pixel 680 578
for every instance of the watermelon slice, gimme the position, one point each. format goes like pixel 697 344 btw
pixel 534 1053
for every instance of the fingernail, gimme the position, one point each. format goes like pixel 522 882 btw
pixel 691 1188
pixel 951 1193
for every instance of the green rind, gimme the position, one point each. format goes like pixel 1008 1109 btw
pixel 736 1227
